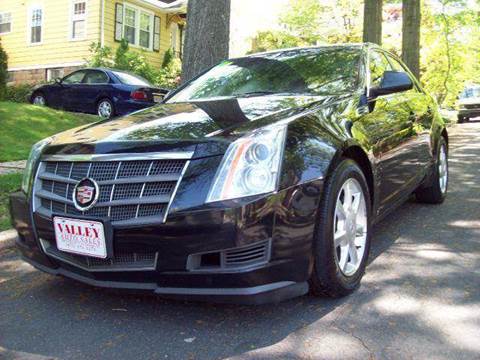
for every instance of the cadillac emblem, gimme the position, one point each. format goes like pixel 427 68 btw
pixel 85 194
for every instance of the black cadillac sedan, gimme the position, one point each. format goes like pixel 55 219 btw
pixel 101 91
pixel 257 181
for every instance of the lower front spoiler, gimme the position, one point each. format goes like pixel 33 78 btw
pixel 256 295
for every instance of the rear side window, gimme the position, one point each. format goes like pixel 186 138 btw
pixel 129 79
pixel 96 77
pixel 75 78
pixel 378 65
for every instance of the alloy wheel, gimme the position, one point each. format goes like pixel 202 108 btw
pixel 443 169
pixel 39 100
pixel 105 109
pixel 350 227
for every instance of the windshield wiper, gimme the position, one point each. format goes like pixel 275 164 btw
pixel 255 93
pixel 265 93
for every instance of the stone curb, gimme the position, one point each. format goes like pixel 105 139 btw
pixel 7 238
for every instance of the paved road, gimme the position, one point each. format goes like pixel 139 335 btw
pixel 419 299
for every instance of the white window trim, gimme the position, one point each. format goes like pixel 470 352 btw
pixel 73 18
pixel 138 10
pixel 49 73
pixel 29 22
pixel 11 22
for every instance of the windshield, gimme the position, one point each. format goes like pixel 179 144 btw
pixel 129 79
pixel 473 92
pixel 316 71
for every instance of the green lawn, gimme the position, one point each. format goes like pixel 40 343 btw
pixel 8 183
pixel 22 125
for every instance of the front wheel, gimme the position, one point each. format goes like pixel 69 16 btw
pixel 342 238
pixel 39 99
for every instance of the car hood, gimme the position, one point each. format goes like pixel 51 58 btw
pixel 206 127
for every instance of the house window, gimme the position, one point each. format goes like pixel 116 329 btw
pixel 53 74
pixel 36 20
pixel 5 22
pixel 130 21
pixel 79 17
pixel 145 30
pixel 137 27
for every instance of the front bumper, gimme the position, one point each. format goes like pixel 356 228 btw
pixel 287 218
pixel 469 113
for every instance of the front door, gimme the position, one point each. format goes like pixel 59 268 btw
pixel 70 86
pixel 387 129
pixel 422 112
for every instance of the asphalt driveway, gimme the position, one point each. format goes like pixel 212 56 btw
pixel 420 299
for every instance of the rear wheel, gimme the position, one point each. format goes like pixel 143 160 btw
pixel 342 239
pixel 435 191
pixel 462 119
pixel 39 99
pixel 105 109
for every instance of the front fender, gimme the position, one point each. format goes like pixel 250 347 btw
pixel 310 148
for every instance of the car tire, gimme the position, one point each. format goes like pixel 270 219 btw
pixel 39 99
pixel 105 108
pixel 435 191
pixel 335 273
pixel 463 119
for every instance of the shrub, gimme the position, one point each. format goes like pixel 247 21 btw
pixel 3 71
pixel 169 76
pixel 168 58
pixel 19 93
pixel 121 59
pixel 101 56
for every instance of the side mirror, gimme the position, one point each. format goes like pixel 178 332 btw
pixel 393 82
pixel 58 81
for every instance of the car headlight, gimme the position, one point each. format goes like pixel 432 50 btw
pixel 32 160
pixel 250 166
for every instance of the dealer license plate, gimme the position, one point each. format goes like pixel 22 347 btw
pixel 81 237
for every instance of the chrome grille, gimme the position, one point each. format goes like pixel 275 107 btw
pixel 130 192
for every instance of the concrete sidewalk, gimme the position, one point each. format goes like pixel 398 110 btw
pixel 12 167
pixel 7 238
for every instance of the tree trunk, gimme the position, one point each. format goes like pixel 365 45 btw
pixel 207 35
pixel 372 21
pixel 411 35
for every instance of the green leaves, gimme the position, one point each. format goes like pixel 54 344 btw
pixel 3 71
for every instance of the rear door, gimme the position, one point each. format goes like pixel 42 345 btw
pixel 387 127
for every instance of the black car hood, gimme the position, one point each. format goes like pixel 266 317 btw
pixel 206 127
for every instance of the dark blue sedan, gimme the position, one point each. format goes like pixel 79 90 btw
pixel 105 92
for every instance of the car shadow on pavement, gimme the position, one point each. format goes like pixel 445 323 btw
pixel 418 299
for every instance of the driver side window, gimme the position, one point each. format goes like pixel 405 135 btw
pixel 378 65
pixel 75 78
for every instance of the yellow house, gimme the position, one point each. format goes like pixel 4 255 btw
pixel 46 39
